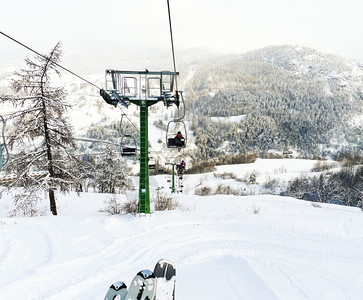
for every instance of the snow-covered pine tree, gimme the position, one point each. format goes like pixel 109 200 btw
pixel 42 135
pixel 112 172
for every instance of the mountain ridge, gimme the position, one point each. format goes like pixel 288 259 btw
pixel 291 95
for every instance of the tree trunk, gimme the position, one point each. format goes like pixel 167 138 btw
pixel 53 206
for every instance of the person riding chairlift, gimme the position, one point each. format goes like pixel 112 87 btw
pixel 179 139
pixel 180 167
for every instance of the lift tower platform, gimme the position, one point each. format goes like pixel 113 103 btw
pixel 144 89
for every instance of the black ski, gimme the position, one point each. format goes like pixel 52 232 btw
pixel 165 273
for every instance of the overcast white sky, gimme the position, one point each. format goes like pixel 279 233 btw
pixel 229 26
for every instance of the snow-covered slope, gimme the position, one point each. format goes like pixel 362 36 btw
pixel 224 247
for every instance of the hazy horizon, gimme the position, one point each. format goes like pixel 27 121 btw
pixel 89 30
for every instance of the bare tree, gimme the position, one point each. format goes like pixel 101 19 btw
pixel 42 132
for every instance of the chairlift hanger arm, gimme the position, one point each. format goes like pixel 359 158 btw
pixel 178 105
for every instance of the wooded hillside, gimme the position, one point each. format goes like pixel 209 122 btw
pixel 292 97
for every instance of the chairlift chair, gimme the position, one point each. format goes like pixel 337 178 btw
pixel 172 141
pixel 128 145
pixel 152 163
pixel 128 151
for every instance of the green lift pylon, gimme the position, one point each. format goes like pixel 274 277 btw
pixel 144 194
pixel 144 89
pixel 173 182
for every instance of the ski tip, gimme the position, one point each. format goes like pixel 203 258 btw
pixel 118 285
pixel 118 288
pixel 163 261
pixel 146 274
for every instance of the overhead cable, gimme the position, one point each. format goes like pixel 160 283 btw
pixel 44 56
pixel 172 44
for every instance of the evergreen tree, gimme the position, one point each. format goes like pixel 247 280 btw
pixel 43 133
pixel 286 95
pixel 111 172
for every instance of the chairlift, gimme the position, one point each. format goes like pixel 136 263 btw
pixel 176 134
pixel 128 145
pixel 180 167
pixel 169 160
pixel 152 163
pixel 179 158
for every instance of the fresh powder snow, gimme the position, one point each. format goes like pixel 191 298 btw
pixel 224 247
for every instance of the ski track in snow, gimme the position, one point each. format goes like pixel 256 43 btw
pixel 218 243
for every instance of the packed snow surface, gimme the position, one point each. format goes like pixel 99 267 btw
pixel 223 246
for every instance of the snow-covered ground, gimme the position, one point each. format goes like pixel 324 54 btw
pixel 224 246
pixel 233 119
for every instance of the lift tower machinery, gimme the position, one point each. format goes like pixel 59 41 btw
pixel 144 89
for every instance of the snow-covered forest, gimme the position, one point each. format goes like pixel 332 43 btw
pixel 265 130
pixel 290 97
